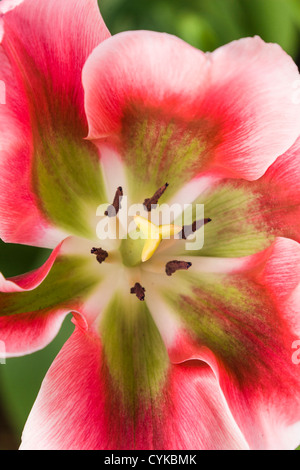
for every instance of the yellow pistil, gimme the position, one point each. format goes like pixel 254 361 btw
pixel 154 234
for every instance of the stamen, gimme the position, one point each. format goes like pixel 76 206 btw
pixel 189 229
pixel 173 266
pixel 100 254
pixel 138 290
pixel 152 201
pixel 114 208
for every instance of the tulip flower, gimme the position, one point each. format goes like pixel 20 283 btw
pixel 172 348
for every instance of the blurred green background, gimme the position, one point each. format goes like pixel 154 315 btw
pixel 205 24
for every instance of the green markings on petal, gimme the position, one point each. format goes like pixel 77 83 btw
pixel 230 316
pixel 134 352
pixel 233 231
pixel 69 281
pixel 68 182
pixel 238 227
pixel 159 148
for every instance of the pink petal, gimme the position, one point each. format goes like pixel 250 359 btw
pixel 43 49
pixel 33 306
pixel 172 111
pixel 31 280
pixel 247 216
pixel 244 324
pixel 280 190
pixel 77 409
pixel 26 333
pixel 23 334
pixel 7 5
pixel 260 89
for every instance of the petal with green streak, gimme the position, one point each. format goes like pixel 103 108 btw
pixel 178 112
pixel 159 148
pixel 43 124
pixel 30 319
pixel 238 227
pixel 134 354
pixel 247 216
pixel 226 315
pixel 244 324
pixel 191 413
pixel 69 280
pixel 68 180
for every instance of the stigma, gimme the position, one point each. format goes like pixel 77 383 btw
pixel 153 235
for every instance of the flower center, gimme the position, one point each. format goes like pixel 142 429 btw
pixel 153 235
pixel 141 244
